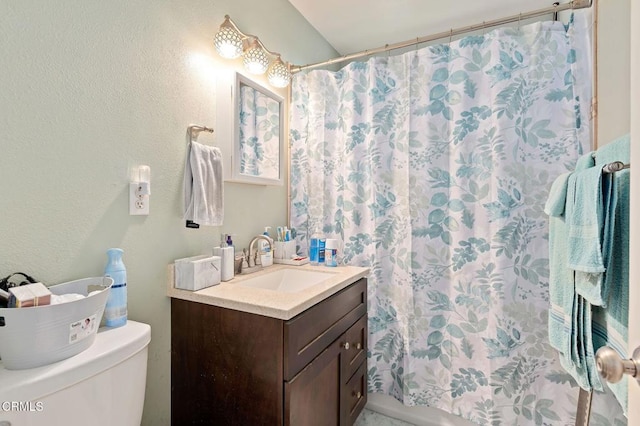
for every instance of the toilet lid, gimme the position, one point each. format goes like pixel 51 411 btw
pixel 110 347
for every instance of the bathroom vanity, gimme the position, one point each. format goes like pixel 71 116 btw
pixel 252 356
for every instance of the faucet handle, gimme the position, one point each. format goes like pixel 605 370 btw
pixel 245 259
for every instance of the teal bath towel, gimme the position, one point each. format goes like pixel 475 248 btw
pixel 588 354
pixel 592 217
pixel 566 317
pixel 561 292
pixel 586 161
pixel 590 298
pixel 557 196
pixel 610 324
pixel 582 241
pixel 585 219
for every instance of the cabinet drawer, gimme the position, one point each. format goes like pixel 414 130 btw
pixel 354 347
pixel 354 395
pixel 309 333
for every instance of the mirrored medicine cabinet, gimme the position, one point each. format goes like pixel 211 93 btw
pixel 250 130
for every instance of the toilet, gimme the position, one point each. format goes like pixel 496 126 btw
pixel 103 385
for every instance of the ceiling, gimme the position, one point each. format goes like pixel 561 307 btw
pixel 356 25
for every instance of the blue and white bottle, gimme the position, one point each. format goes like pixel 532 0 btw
pixel 316 248
pixel 115 313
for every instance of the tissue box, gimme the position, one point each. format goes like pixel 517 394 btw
pixel 198 272
pixel 36 294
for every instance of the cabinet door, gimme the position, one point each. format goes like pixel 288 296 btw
pixel 226 366
pixel 312 397
pixel 354 395
pixel 332 389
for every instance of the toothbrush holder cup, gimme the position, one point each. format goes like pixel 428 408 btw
pixel 284 249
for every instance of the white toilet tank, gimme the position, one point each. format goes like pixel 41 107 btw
pixel 103 385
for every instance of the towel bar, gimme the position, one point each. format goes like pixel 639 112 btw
pixel 616 166
pixel 193 130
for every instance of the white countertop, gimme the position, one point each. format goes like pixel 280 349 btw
pixel 268 302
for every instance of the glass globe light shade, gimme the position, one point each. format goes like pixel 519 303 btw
pixel 279 74
pixel 255 59
pixel 228 42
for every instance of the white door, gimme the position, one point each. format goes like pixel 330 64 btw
pixel 634 270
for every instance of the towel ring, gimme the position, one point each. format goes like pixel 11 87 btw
pixel 194 130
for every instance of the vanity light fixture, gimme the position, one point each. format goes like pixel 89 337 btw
pixel 279 74
pixel 228 41
pixel 255 59
pixel 232 43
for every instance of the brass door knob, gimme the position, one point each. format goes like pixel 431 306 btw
pixel 358 346
pixel 358 395
pixel 346 345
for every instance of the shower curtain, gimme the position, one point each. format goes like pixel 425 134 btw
pixel 432 167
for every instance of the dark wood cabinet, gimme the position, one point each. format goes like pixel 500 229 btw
pixel 236 368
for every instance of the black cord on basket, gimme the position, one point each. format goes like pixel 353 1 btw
pixel 5 284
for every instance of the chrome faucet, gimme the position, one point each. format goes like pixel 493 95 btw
pixel 253 258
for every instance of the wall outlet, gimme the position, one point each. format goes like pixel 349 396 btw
pixel 138 203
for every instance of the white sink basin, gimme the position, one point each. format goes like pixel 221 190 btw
pixel 286 280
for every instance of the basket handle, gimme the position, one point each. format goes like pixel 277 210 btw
pixel 5 285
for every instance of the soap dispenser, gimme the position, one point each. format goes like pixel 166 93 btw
pixel 226 252
pixel 266 253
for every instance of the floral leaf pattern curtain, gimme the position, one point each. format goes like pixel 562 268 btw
pixel 433 168
pixel 259 123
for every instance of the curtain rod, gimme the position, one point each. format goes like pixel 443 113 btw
pixel 575 4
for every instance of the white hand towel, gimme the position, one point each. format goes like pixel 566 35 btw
pixel 203 185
